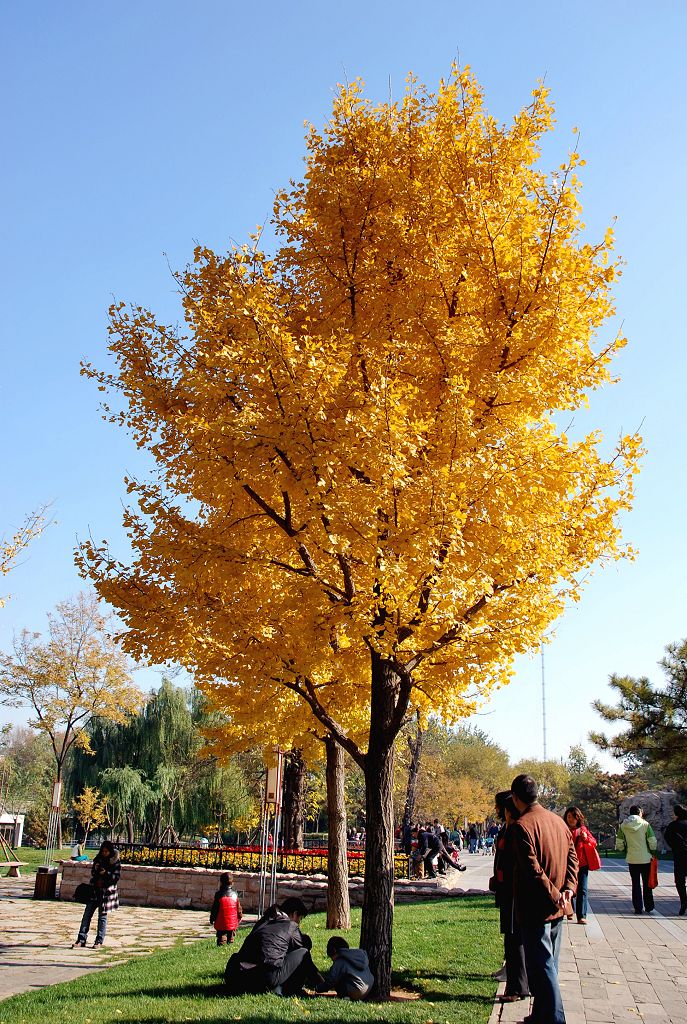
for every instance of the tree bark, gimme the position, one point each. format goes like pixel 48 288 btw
pixel 378 893
pixel 413 772
pixel 338 901
pixel 293 804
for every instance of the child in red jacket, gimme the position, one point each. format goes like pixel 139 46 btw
pixel 226 911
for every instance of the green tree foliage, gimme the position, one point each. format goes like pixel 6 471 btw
pixel 27 759
pixel 158 782
pixel 553 778
pixel 655 737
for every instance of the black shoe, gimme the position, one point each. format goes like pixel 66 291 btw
pixel 461 867
pixel 638 911
pixel 683 909
pixel 79 942
pixel 96 944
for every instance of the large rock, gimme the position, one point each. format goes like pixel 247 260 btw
pixel 658 810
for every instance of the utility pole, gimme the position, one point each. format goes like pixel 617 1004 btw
pixel 543 701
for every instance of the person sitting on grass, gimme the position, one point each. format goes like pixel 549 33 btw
pixel 350 975
pixel 275 956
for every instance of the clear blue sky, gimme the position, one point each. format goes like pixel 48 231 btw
pixel 130 132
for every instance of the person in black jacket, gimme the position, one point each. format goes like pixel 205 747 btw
pixel 275 956
pixel 676 838
pixel 501 884
pixel 104 897
pixel 429 848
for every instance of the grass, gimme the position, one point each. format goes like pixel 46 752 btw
pixel 35 858
pixel 445 951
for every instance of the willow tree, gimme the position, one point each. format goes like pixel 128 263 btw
pixel 363 495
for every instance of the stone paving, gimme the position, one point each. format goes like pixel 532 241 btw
pixel 621 966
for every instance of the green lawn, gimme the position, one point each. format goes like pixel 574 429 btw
pixel 35 858
pixel 445 951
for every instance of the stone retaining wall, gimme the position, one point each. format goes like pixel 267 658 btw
pixel 194 888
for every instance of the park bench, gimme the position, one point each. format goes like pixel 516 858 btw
pixel 13 866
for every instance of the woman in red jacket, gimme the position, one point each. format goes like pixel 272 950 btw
pixel 226 911
pixel 575 820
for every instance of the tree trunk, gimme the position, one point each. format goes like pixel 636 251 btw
pixel 293 803
pixel 338 902
pixel 154 838
pixel 58 836
pixel 130 833
pixel 413 772
pixel 378 893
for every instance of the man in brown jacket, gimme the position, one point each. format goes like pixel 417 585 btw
pixel 544 881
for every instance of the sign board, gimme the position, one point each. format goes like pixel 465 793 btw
pixel 273 784
pixel 56 795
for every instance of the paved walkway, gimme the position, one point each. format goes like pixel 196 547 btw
pixel 622 966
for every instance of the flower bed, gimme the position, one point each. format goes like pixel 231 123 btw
pixel 247 858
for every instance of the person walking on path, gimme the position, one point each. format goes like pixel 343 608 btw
pixel 676 838
pixel 104 897
pixel 575 820
pixel 226 911
pixel 544 882
pixel 501 884
pixel 636 840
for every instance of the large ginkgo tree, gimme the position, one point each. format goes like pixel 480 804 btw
pixel 363 503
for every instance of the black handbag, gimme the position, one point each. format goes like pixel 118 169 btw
pixel 84 893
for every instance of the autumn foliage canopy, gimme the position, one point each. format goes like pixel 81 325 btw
pixel 355 437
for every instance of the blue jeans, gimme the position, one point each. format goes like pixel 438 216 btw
pixel 581 900
pixel 542 945
pixel 89 911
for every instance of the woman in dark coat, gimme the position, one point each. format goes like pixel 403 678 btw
pixel 517 986
pixel 105 874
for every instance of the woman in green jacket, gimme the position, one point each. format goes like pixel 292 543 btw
pixel 637 841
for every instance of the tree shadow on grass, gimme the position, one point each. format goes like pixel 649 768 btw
pixel 246 1018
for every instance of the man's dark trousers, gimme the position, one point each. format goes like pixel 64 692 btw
pixel 639 873
pixel 542 944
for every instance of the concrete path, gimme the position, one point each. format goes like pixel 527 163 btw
pixel 621 966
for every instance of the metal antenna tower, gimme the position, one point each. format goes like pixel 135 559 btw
pixel 543 701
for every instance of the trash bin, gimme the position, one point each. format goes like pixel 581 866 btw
pixel 46 884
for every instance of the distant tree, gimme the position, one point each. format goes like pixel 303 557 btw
pixel 553 778
pixel 460 770
pixel 28 761
pixel 157 773
pixel 656 719
pixel 76 672
pixel 91 810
